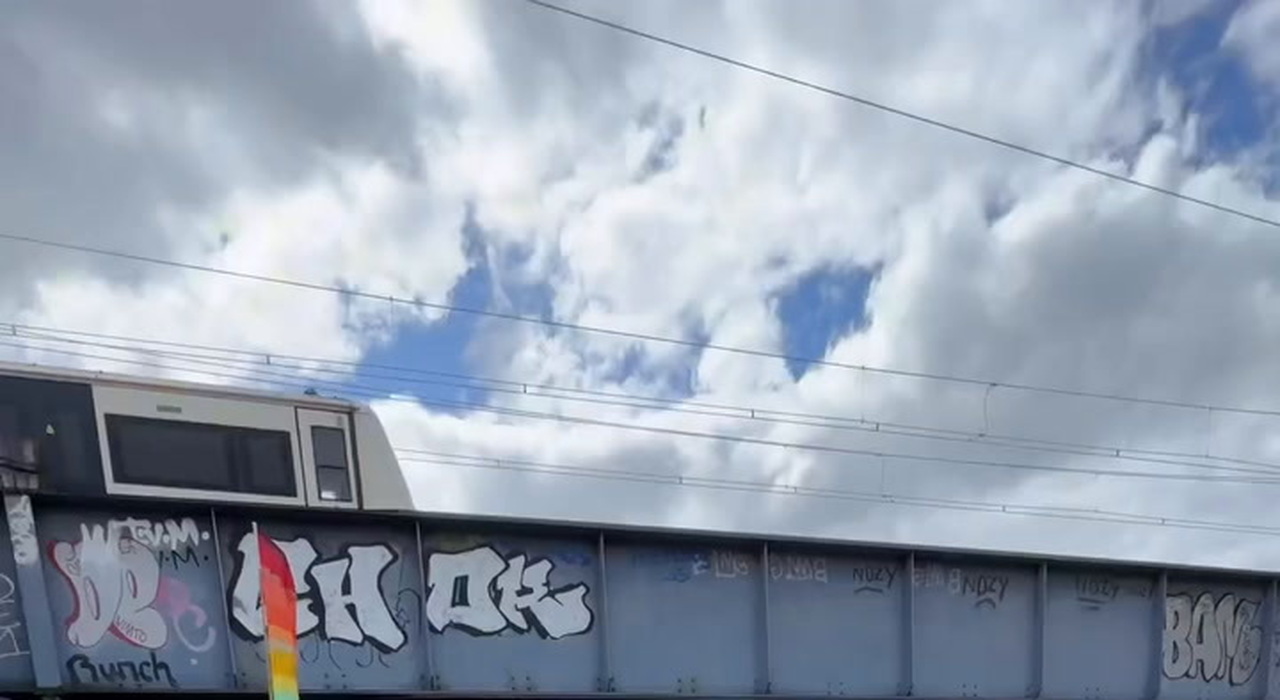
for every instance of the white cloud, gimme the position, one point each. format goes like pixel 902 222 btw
pixel 1082 282
pixel 366 229
pixel 661 193
pixel 1252 32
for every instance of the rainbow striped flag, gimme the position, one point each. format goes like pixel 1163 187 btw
pixel 279 610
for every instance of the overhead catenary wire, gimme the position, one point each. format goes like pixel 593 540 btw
pixel 1016 509
pixel 356 389
pixel 1093 514
pixel 900 112
pixel 627 400
pixel 642 337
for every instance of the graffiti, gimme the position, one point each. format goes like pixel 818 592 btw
pixel 11 641
pixel 481 593
pixel 676 565
pixel 114 581
pixel 346 590
pixel 987 589
pixel 928 576
pixel 162 534
pixel 175 600
pixel 1095 591
pixel 120 672
pixel 870 578
pixel 681 566
pixel 22 532
pixel 727 564
pixel 178 558
pixel 795 567
pixel 117 586
pixel 1211 640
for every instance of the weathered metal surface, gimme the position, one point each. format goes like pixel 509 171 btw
pixel 136 599
pixel 165 600
pixel 359 609
pixel 16 546
pixel 836 623
pixel 513 614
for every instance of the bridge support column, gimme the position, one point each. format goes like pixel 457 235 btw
pixel 29 580
pixel 1268 639
pixel 428 679
pixel 606 683
pixel 909 628
pixel 765 685
pixel 1041 625
pixel 1157 633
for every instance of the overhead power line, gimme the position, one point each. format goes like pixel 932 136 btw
pixel 268 376
pixel 645 337
pixel 684 481
pixel 628 400
pixel 900 112
pixel 690 481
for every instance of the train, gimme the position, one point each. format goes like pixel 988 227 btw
pixel 96 434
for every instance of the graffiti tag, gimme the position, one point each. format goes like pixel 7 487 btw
pixel 114 574
pixel 346 589
pixel 12 643
pixel 1211 640
pixel 987 589
pixel 120 672
pixel 480 592
pixel 727 564
pixel 869 578
pixel 114 580
pixel 22 532
pixel 795 567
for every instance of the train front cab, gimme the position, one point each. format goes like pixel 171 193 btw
pixel 80 434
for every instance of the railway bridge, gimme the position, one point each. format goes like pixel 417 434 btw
pixel 128 566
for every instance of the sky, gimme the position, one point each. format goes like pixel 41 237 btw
pixel 502 157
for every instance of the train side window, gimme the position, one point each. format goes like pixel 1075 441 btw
pixel 47 437
pixel 333 471
pixel 188 455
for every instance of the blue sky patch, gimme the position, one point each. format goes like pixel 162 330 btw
pixel 1216 82
pixel 440 349
pixel 450 357
pixel 821 307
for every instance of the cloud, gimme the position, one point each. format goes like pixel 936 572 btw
pixel 993 265
pixel 367 230
pixel 117 120
pixel 1252 32
pixel 637 187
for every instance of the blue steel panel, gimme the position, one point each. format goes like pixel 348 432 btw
pixel 1098 641
pixel 164 600
pixel 137 598
pixel 1272 669
pixel 16 671
pixel 684 618
pixel 974 629
pixel 1212 639
pixel 359 602
pixel 510 613
pixel 836 623
pixel 1267 663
